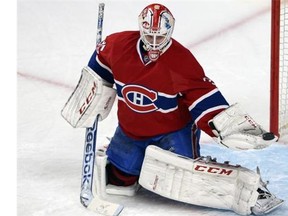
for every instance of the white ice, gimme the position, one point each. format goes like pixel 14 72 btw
pixel 230 38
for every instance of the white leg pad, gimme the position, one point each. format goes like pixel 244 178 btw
pixel 102 187
pixel 100 173
pixel 199 182
pixel 122 190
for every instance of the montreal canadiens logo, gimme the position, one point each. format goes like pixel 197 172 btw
pixel 139 98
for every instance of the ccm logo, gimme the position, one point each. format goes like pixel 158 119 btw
pixel 88 99
pixel 252 123
pixel 213 170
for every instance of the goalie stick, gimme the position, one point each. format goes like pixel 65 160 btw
pixel 87 198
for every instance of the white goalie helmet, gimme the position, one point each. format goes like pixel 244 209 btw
pixel 156 24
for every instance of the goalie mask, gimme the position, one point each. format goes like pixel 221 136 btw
pixel 156 24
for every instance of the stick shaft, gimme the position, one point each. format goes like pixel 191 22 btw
pixel 86 194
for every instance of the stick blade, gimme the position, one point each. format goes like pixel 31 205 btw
pixel 104 207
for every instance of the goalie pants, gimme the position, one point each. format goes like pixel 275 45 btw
pixel 127 154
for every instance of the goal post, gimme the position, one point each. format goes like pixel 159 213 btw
pixel 279 69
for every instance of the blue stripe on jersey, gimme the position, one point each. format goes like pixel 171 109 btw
pixel 101 71
pixel 207 103
pixel 143 100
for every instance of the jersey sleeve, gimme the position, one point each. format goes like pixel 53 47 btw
pixel 99 61
pixel 200 94
pixel 204 107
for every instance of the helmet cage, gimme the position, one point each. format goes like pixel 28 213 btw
pixel 156 24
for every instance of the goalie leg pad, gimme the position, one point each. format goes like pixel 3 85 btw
pixel 102 188
pixel 199 182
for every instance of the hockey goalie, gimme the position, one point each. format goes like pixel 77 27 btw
pixel 164 101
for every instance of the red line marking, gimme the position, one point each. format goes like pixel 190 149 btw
pixel 189 46
pixel 47 81
pixel 229 27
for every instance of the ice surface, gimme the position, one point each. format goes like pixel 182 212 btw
pixel 55 40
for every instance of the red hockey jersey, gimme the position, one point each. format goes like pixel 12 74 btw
pixel 156 97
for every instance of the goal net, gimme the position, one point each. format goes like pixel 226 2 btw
pixel 279 69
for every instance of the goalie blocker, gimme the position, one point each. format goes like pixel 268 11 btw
pixel 92 97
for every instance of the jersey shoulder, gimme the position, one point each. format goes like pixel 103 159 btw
pixel 183 59
pixel 115 44
pixel 178 47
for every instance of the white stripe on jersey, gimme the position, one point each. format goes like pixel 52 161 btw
pixel 210 110
pixel 103 65
pixel 203 97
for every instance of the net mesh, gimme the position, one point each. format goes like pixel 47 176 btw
pixel 283 70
